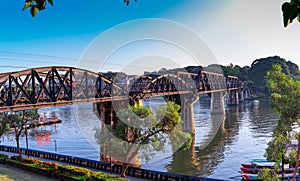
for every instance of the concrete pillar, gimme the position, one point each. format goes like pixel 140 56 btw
pixel 111 147
pixel 217 105
pixel 241 95
pixel 186 101
pixel 247 94
pixel 233 97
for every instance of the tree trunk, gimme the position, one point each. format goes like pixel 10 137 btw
pixel 297 160
pixel 124 169
pixel 18 146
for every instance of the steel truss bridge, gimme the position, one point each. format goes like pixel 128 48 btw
pixel 57 86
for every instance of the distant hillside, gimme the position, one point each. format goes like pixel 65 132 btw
pixel 259 68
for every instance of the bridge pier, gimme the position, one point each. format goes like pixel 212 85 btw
pixel 111 147
pixel 233 97
pixel 247 94
pixel 186 101
pixel 217 105
pixel 241 95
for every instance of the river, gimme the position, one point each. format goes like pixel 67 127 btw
pixel 243 135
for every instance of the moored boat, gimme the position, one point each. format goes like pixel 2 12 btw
pixel 259 163
pixel 256 170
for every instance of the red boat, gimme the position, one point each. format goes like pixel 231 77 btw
pixel 253 165
pixel 256 170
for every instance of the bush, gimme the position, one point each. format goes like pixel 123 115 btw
pixel 3 155
pixel 62 172
pixel 3 158
pixel 30 161
pixel 15 157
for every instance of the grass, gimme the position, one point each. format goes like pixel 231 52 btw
pixel 9 173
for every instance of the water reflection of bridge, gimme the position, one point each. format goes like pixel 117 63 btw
pixel 202 160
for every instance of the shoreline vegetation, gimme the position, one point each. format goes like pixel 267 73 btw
pixel 16 167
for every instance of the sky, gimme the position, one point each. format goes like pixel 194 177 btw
pixel 103 35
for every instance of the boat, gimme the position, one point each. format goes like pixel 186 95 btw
pixel 250 176
pixel 259 163
pixel 250 171
pixel 256 170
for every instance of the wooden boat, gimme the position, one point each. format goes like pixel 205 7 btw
pixel 259 163
pixel 256 170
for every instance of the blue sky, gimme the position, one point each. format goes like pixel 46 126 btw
pixel 235 31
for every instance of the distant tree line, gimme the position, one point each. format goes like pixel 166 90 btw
pixel 255 73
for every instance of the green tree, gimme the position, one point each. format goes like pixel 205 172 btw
pixel 18 121
pixel 268 175
pixel 150 135
pixel 291 11
pixel 286 102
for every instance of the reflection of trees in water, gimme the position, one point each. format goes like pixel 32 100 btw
pixel 202 162
pixel 263 119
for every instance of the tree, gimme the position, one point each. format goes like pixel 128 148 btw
pixel 18 121
pixel 129 141
pixel 285 101
pixel 290 10
pixel 4 123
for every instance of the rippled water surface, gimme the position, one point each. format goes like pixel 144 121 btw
pixel 216 153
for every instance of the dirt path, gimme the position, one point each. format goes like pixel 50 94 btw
pixel 9 173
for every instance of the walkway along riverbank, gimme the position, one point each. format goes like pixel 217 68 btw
pixel 104 166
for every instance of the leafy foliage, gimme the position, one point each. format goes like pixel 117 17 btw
pixel 291 11
pixel 36 6
pixel 260 67
pixel 286 94
pixel 18 121
pixel 277 147
pixel 139 133
pixel 285 101
pixel 268 175
pixel 57 170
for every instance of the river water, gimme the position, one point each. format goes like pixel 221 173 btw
pixel 242 136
